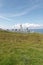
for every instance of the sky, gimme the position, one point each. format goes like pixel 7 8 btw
pixel 29 13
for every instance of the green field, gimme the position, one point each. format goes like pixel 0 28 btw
pixel 21 48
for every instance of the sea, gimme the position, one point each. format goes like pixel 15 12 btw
pixel 37 30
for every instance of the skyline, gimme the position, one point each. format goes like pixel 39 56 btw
pixel 15 12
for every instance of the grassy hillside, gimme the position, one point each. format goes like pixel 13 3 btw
pixel 21 49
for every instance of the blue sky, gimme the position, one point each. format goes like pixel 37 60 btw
pixel 14 12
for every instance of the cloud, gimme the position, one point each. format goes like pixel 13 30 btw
pixel 5 18
pixel 25 25
pixel 19 14
pixel 24 12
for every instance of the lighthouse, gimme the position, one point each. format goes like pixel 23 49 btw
pixel 21 28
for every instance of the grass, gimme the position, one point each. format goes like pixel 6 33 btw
pixel 21 48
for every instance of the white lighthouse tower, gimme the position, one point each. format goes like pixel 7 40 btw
pixel 21 28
